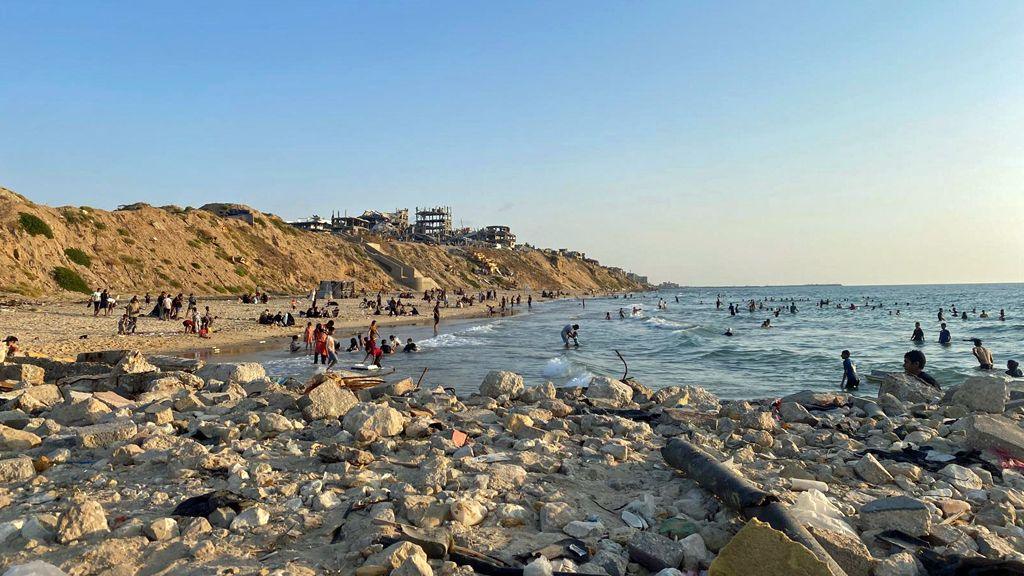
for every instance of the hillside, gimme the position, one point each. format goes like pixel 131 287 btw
pixel 45 251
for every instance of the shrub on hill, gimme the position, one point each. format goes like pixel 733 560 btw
pixel 34 225
pixel 69 280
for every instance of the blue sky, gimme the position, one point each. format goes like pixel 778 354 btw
pixel 701 142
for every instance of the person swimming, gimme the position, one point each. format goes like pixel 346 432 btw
pixel 767 323
pixel 728 332
pixel 1013 369
pixel 944 336
pixel 410 346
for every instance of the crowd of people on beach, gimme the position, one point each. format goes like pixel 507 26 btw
pixel 165 307
pixel 319 342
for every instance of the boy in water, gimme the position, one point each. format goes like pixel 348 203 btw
pixel 1013 369
pixel 850 379
pixel 984 355
pixel 944 336
pixel 913 365
pixel 570 331
pixel 918 335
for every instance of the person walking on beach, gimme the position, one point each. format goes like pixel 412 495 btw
pixel 984 355
pixel 913 365
pixel 850 379
pixel 95 302
pixel 944 336
pixel 571 331
pixel 918 335
pixel 437 315
pixel 307 337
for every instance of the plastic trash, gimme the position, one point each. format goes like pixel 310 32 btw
pixel 802 484
pixel 490 458
pixel 635 520
pixel 35 568
pixel 812 508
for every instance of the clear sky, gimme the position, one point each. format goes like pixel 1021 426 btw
pixel 699 142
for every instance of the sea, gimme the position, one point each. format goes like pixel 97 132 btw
pixel 682 341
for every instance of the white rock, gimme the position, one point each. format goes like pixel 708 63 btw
pixel 468 512
pixel 501 383
pixel 250 518
pixel 541 566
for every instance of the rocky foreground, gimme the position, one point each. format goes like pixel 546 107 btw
pixel 124 464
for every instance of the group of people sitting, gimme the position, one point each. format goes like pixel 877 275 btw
pixel 279 319
pixel 168 307
pixel 257 298
pixel 329 310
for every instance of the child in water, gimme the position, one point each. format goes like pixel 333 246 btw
pixel 850 379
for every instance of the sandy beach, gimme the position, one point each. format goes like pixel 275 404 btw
pixel 63 328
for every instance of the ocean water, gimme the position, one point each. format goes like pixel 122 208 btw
pixel 684 343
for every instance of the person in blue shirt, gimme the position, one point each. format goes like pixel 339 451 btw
pixel 850 379
pixel 944 336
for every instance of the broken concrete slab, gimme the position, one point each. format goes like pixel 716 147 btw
pixel 760 549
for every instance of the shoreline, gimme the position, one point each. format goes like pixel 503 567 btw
pixel 63 329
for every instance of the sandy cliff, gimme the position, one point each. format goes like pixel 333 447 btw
pixel 171 248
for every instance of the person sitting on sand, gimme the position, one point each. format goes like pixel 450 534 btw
pixel 944 336
pixel 913 365
pixel 918 335
pixel 295 345
pixel 850 379
pixel 1013 369
pixel 410 346
pixel 983 355
pixel 9 348
pixel 570 331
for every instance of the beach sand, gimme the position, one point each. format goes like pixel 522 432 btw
pixel 63 329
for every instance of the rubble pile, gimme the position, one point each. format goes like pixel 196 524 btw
pixel 162 465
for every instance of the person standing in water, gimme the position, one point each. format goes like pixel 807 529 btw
pixel 918 335
pixel 571 331
pixel 437 315
pixel 984 355
pixel 944 336
pixel 850 379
